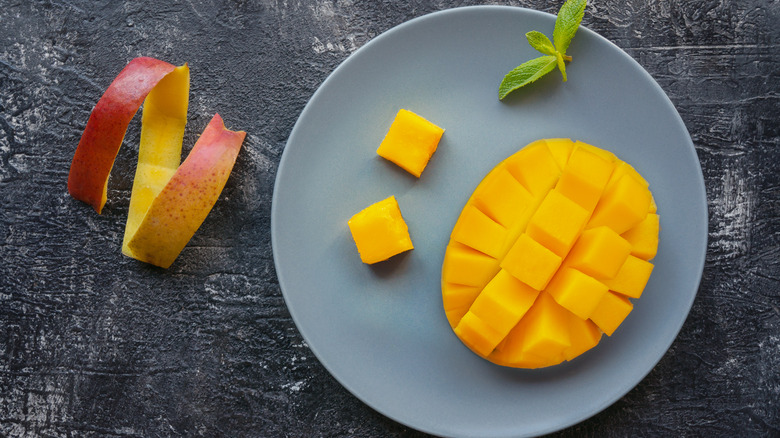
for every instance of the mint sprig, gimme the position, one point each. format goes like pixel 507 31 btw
pixel 566 24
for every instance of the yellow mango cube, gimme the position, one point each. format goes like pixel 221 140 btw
pixel 603 153
pixel 457 295
pixel 599 252
pixel 457 300
pixel 583 335
pixel 477 334
pixel 623 205
pixel 632 277
pixel 535 167
pixel 577 292
pixel 476 230
pixel 531 262
pixel 510 353
pixel 557 223
pixel 643 237
pixel 467 266
pixel 380 231
pixel 545 328
pixel 503 301
pixel 611 312
pixel 502 197
pixel 623 168
pixel 410 142
pixel 561 149
pixel 584 178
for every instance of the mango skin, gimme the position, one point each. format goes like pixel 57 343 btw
pixel 183 204
pixel 159 153
pixel 106 127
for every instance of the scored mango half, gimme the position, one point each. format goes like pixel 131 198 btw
pixel 547 254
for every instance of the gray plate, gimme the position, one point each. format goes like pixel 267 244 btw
pixel 380 330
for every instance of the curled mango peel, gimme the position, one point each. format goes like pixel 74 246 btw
pixel 168 201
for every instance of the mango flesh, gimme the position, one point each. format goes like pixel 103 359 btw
pixel 410 142
pixel 379 231
pixel 548 253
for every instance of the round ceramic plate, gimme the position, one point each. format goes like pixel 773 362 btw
pixel 381 330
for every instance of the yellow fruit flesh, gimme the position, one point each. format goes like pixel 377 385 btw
pixel 547 252
pixel 410 142
pixel 380 232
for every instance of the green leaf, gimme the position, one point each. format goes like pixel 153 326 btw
pixel 561 65
pixel 526 73
pixel 540 42
pixel 567 23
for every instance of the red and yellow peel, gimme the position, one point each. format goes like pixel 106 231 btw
pixel 168 202
pixel 106 127
pixel 159 153
pixel 183 204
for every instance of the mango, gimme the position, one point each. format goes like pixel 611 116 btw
pixel 410 142
pixel 547 254
pixel 380 232
pixel 644 236
pixel 531 262
pixel 477 230
pixel 611 311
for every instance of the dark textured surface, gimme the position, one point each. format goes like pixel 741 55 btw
pixel 96 344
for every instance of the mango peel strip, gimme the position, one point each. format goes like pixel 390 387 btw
pixel 164 89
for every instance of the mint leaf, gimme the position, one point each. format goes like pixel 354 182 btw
pixel 526 73
pixel 540 42
pixel 561 64
pixel 567 23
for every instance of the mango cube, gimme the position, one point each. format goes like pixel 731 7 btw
pixel 467 266
pixel 502 197
pixel 535 167
pixel 476 230
pixel 643 237
pixel 546 329
pixel 410 142
pixel 577 292
pixel 503 301
pixel 583 335
pixel 477 334
pixel 495 312
pixel 623 205
pixel 632 277
pixel 557 223
pixel 547 252
pixel 584 178
pixel 457 295
pixel 561 149
pixel 611 312
pixel 599 252
pixel 380 232
pixel 531 262
pixel 603 153
pixel 623 168
pixel 457 300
